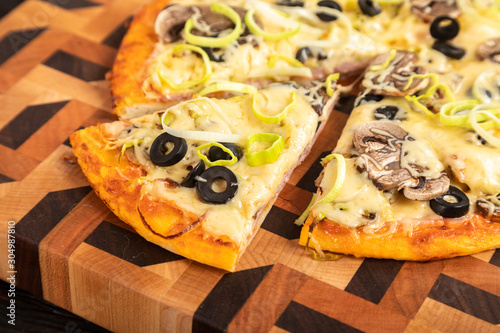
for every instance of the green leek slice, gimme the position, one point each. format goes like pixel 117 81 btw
pixel 209 163
pixel 459 114
pixel 328 82
pixel 280 116
pixel 191 83
pixel 265 156
pixel 435 85
pixel 229 86
pixel 390 57
pixel 255 29
pixel 225 10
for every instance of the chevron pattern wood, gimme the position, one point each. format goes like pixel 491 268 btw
pixel 73 252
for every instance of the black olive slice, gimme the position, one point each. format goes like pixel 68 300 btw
pixel 214 54
pixel 453 203
pixel 389 112
pixel 303 54
pixel 207 179
pixel 216 153
pixel 158 152
pixel 330 4
pixel 369 7
pixel 444 28
pixel 369 98
pixel 290 3
pixel 448 49
pixel 190 180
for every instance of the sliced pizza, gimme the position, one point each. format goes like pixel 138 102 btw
pixel 198 178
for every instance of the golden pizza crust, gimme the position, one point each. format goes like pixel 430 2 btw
pixel 117 182
pixel 428 240
pixel 129 69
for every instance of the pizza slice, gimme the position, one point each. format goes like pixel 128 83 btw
pixel 415 173
pixel 199 177
pixel 174 50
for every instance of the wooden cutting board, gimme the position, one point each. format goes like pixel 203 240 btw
pixel 72 251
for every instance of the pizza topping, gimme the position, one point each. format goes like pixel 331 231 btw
pixel 290 3
pixel 444 28
pixel 217 185
pixel 490 49
pixel 389 73
pixel 367 98
pixel 167 150
pixel 390 112
pixel 228 86
pixel 258 155
pixel 430 9
pixel 216 152
pixel 369 7
pixel 454 203
pixel 486 88
pixel 305 53
pixel 325 17
pixel 219 41
pixel 190 179
pixel 489 207
pixel 274 119
pixel 448 49
pixel 225 152
pixel 254 28
pixel 393 158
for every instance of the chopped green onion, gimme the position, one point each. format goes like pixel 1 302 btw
pixel 491 139
pixel 390 57
pixel 229 86
pixel 339 180
pixel 191 83
pixel 291 61
pixel 255 29
pixel 435 85
pixel 329 79
pixel 209 163
pixel 127 145
pixel 265 156
pixel 277 118
pixel 225 10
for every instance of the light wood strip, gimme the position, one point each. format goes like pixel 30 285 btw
pixel 101 54
pixel 57 246
pixel 449 320
pixel 349 309
pixel 56 130
pixel 411 287
pixel 68 85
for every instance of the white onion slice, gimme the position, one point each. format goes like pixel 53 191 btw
pixel 491 139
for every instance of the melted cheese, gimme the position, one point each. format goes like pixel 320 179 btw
pixel 257 185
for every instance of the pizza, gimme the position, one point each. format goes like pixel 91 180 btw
pixel 218 102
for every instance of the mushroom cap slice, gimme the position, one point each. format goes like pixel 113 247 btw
pixel 490 49
pixel 489 207
pixel 392 80
pixel 430 9
pixel 428 189
pixel 375 132
pixel 171 20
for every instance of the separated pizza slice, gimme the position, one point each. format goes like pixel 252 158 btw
pixel 198 178
pixel 174 50
pixel 415 174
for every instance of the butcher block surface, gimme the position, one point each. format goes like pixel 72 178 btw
pixel 70 250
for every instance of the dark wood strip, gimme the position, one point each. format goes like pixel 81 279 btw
pixel 466 298
pixel 77 67
pixel 298 318
pixel 72 4
pixel 19 129
pixel 15 41
pixel 411 286
pixel 114 39
pixel 5 179
pixel 259 314
pixel 128 246
pixel 229 295
pixel 373 278
pixel 281 223
pixel 349 309
pixel 34 226
pixel 307 182
pixel 495 259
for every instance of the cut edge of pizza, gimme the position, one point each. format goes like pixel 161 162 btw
pixel 198 178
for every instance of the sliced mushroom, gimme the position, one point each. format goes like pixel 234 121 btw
pixel 171 21
pixel 391 80
pixel 490 49
pixel 489 207
pixel 430 9
pixel 380 145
